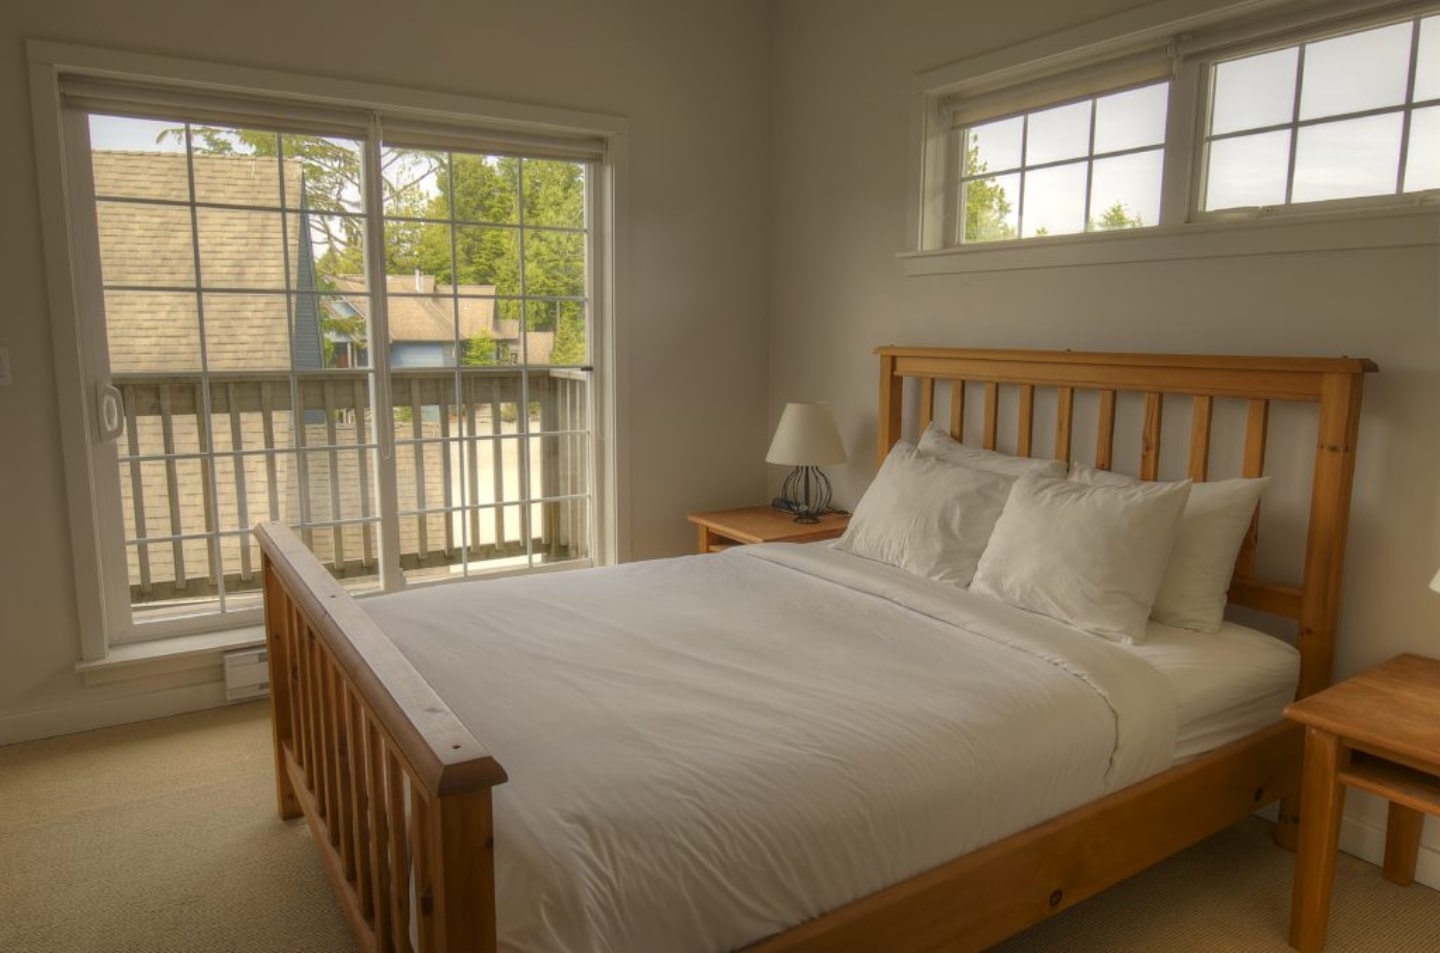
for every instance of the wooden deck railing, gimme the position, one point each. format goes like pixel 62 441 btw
pixel 200 468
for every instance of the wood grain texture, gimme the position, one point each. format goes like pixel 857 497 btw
pixel 1199 465
pixel 1379 732
pixel 1026 427
pixel 1064 422
pixel 978 900
pixel 720 529
pixel 957 410
pixel 1322 802
pixel 992 414
pixel 1150 436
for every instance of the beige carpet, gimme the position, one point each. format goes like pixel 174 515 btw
pixel 163 837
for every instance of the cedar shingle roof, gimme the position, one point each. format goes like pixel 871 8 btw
pixel 249 257
pixel 241 250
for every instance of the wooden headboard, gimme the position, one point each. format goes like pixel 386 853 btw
pixel 1334 384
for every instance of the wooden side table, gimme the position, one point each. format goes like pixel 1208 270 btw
pixel 722 529
pixel 1379 732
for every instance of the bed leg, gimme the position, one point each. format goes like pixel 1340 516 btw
pixel 1287 830
pixel 463 852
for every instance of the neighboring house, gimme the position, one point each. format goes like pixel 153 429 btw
pixel 427 318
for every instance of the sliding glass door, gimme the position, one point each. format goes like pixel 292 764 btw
pixel 383 344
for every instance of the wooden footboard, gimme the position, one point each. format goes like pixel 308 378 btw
pixel 396 790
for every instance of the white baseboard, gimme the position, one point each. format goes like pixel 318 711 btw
pixel 1361 838
pixel 31 726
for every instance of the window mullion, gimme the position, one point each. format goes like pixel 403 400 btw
pixel 1089 169
pixel 1409 105
pixel 202 403
pixel 1295 124
pixel 522 414
pixel 387 493
pixel 1020 191
pixel 1183 167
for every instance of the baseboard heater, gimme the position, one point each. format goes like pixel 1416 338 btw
pixel 247 675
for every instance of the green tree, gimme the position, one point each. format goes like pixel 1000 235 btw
pixel 1116 216
pixel 569 349
pixel 478 350
pixel 986 205
pixel 332 183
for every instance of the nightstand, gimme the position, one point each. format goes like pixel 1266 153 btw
pixel 1379 732
pixel 761 524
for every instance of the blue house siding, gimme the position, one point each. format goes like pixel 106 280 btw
pixel 421 354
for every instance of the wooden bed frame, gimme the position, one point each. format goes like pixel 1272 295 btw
pixel 356 728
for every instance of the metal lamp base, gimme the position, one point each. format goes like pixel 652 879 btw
pixel 807 490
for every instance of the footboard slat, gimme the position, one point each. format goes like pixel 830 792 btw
pixel 373 759
pixel 399 855
pixel 380 841
pixel 360 828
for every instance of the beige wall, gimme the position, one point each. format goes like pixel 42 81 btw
pixel 842 133
pixel 693 80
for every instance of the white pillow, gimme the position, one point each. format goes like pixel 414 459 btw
pixel 1092 556
pixel 938 443
pixel 927 516
pixel 1207 540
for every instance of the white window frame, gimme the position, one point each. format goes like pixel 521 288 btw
pixel 469 123
pixel 1112 54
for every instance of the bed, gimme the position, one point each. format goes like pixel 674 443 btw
pixel 406 805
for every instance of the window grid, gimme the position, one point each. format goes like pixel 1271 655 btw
pixel 464 443
pixel 1402 147
pixel 1024 168
pixel 1405 109
pixel 207 457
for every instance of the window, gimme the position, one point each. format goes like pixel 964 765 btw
pixel 380 331
pixel 1342 117
pixel 1090 165
pixel 1240 118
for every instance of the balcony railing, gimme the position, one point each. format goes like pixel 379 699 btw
pixel 200 465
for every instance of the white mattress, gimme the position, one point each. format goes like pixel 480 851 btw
pixel 704 751
pixel 1227 684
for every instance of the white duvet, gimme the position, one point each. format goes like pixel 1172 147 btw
pixel 707 750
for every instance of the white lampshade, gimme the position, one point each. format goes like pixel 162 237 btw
pixel 1435 583
pixel 806 437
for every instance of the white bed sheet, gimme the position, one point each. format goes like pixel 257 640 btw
pixel 1227 684
pixel 704 751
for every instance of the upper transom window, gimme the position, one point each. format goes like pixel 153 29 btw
pixel 1342 117
pixel 1294 111
pixel 1083 166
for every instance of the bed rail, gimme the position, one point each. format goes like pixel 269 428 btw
pixel 396 790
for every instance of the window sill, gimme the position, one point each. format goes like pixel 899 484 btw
pixel 164 656
pixel 1391 228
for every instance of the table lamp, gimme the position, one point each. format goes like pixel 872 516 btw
pixel 805 439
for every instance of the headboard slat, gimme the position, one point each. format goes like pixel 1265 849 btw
pixel 1105 432
pixel 1064 418
pixel 1335 384
pixel 1025 438
pixel 992 413
pixel 957 409
pixel 927 401
pixel 1257 425
pixel 1200 408
pixel 1150 436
